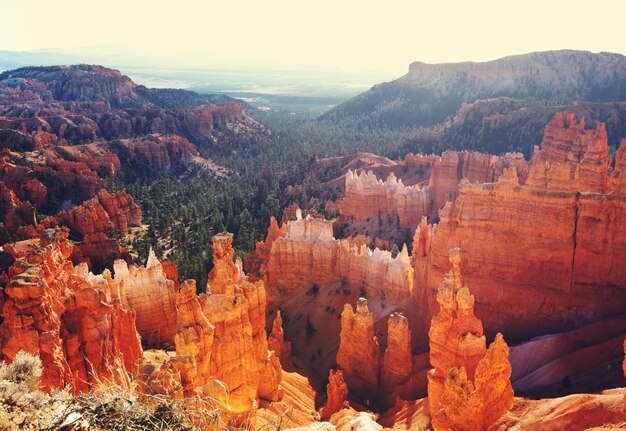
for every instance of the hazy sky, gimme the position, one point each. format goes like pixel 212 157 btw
pixel 343 34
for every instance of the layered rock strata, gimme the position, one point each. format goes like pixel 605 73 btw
pixel 469 386
pixel 367 197
pixel 564 232
pixel 82 333
pixel 308 254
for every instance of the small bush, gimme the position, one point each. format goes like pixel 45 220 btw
pixel 26 370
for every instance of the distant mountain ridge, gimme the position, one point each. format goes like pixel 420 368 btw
pixel 429 93
pixel 84 82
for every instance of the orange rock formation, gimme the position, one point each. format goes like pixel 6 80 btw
pixel 469 387
pixel 359 353
pixel 558 221
pixel 276 341
pixel 221 344
pixel 81 332
pixel 456 335
pixel 308 254
pixel 367 197
pixel 336 394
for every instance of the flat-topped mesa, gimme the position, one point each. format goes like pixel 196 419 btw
pixel 152 295
pixel 359 353
pixel 308 254
pixel 224 273
pixel 585 152
pixel 456 335
pixel 82 334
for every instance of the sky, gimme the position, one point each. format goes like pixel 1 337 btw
pixel 349 35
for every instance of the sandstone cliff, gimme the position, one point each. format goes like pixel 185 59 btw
pixel 308 254
pixel 560 209
pixel 378 208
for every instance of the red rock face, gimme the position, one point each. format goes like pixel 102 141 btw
pixel 376 203
pixel 102 214
pixel 81 335
pixel 359 353
pixel 469 386
pixel 551 212
pixel 336 394
pixel 308 254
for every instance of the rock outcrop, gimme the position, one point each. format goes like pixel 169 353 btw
pixel 102 214
pixel 456 335
pixel 221 344
pixel 81 332
pixel 469 386
pixel 336 394
pixel 474 406
pixel 308 254
pixel 359 353
pixel 397 361
pixel 276 341
pixel 585 152
pixel 152 295
pixel 386 206
pixel 559 209
pixel 378 376
pixel 224 274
